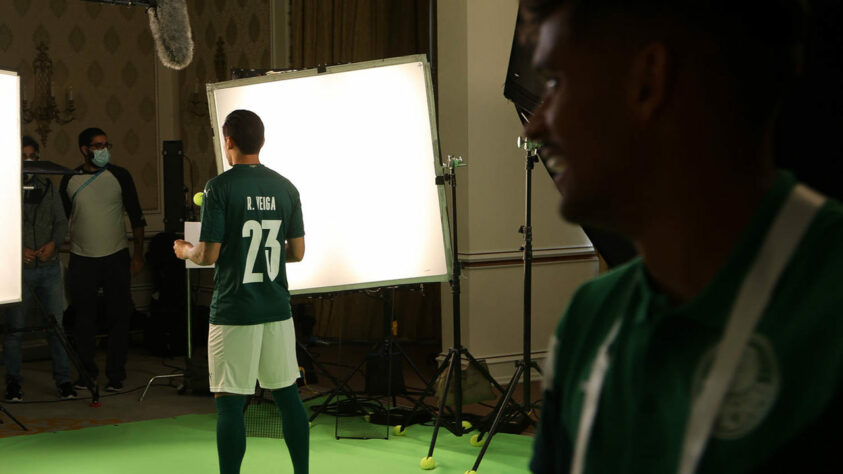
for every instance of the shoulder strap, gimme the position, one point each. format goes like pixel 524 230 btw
pixel 781 240
pixel 776 251
pixel 93 177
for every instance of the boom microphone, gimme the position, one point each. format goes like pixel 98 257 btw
pixel 170 27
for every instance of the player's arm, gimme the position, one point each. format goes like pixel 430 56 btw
pixel 205 253
pixel 295 249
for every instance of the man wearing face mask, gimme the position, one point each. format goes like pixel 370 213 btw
pixel 99 255
pixel 44 228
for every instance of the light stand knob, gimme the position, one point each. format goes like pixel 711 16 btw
pixel 528 145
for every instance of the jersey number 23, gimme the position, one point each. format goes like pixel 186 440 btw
pixel 272 249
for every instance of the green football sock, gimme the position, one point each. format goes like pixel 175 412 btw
pixel 231 432
pixel 295 425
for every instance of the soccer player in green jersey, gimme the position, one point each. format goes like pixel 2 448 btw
pixel 251 226
pixel 719 349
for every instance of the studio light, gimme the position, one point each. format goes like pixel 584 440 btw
pixel 359 143
pixel 11 253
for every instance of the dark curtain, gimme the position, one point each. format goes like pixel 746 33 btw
pixel 331 32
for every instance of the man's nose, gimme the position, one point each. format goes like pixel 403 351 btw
pixel 536 126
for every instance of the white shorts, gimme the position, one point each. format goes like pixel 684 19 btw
pixel 239 355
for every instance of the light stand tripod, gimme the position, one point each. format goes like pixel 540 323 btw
pixel 184 374
pixel 389 347
pixel 523 366
pixel 453 361
pixel 52 325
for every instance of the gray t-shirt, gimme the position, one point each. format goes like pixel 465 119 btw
pixel 97 228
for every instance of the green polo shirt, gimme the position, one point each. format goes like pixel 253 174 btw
pixel 786 381
pixel 251 210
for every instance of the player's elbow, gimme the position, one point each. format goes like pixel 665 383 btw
pixel 295 250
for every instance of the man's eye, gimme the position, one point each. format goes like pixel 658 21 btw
pixel 552 84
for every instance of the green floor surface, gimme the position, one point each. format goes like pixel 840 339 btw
pixel 187 444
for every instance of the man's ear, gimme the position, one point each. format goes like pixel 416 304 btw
pixel 229 143
pixel 649 80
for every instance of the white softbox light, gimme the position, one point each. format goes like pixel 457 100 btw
pixel 359 142
pixel 11 251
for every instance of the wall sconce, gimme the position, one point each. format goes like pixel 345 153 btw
pixel 44 109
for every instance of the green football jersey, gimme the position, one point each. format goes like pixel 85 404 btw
pixel 251 210
pixel 787 382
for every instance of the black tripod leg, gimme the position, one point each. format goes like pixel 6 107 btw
pixel 410 362
pixel 428 389
pixel 494 382
pixel 339 388
pixel 501 408
pixel 451 369
pixel 483 371
pixel 4 410
pixel 321 367
pixel 74 358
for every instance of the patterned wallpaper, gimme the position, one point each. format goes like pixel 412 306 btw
pixel 105 53
pixel 227 34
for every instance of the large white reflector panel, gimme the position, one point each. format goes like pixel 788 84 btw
pixel 11 252
pixel 358 141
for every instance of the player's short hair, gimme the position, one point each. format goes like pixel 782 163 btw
pixel 758 42
pixel 88 134
pixel 26 141
pixel 245 129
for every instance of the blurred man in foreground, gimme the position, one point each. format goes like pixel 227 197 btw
pixel 720 348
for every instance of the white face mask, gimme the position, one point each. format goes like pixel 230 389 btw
pixel 101 157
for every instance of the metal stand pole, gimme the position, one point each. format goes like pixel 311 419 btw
pixel 453 361
pixel 522 367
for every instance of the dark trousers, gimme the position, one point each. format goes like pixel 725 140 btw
pixel 86 275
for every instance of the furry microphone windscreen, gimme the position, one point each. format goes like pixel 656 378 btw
pixel 170 27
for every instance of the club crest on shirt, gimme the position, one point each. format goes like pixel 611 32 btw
pixel 752 393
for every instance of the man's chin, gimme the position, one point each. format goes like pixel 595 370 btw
pixel 568 211
pixel 577 212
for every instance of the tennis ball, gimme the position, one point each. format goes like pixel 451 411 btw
pixel 198 198
pixel 399 430
pixel 427 463
pixel 475 440
pixel 470 472
pixel 466 425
